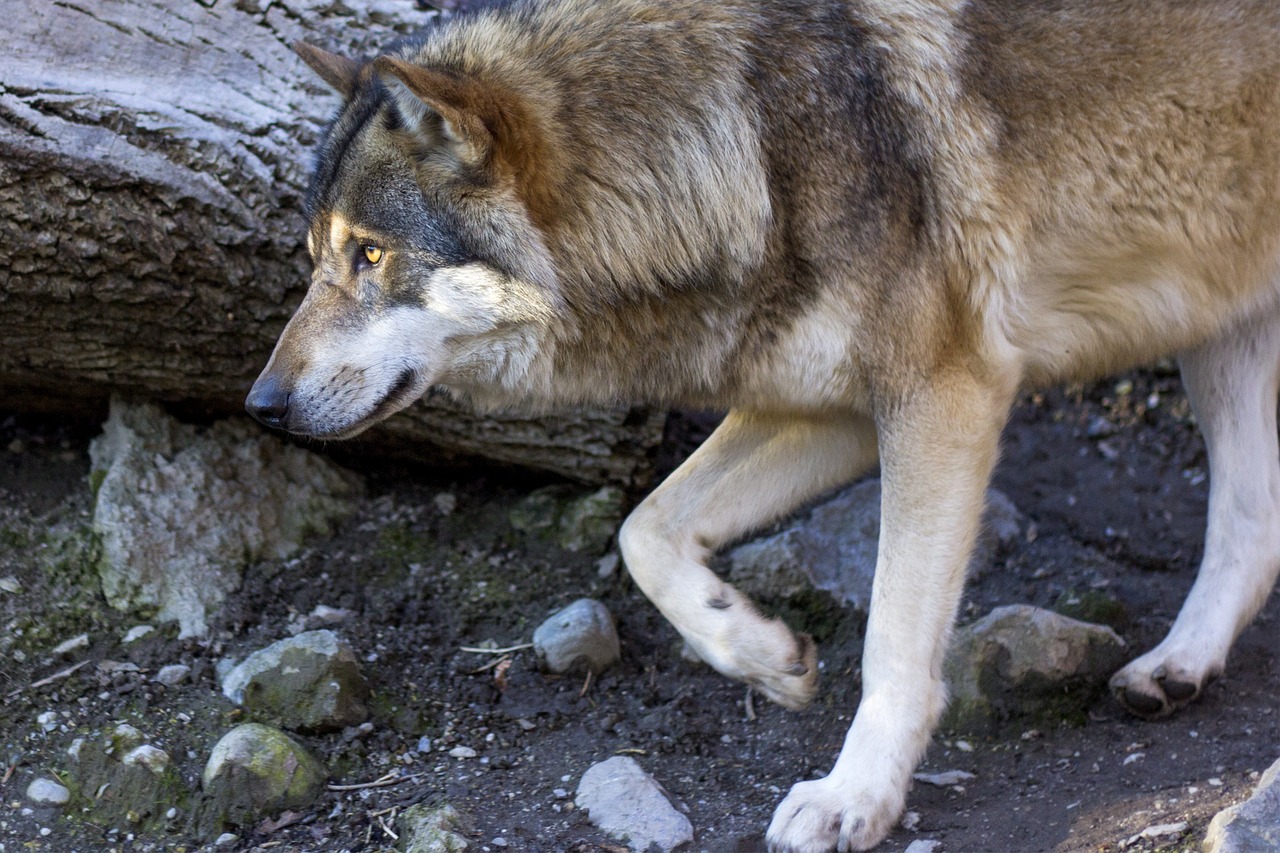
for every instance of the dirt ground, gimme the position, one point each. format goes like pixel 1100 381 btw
pixel 1111 477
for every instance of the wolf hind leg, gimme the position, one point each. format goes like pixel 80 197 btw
pixel 1232 384
pixel 753 469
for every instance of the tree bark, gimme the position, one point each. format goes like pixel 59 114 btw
pixel 153 157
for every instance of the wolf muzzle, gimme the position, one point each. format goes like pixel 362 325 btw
pixel 268 402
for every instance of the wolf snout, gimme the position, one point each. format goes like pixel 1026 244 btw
pixel 268 402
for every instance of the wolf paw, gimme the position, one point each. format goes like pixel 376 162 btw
pixel 1154 686
pixel 762 652
pixel 820 816
pixel 791 678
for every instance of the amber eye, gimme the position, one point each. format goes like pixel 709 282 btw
pixel 372 254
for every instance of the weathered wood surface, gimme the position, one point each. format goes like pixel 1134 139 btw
pixel 153 155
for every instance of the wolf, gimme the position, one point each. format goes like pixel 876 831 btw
pixel 861 227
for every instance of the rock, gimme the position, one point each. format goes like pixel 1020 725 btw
pixel 425 829
pixel 180 511
pixel 11 585
pixel 1022 661
pixel 1160 833
pixel 69 647
pixel 832 547
pixel 581 635
pixel 631 806
pixel 462 752
pixel 922 845
pixel 586 523
pixel 173 674
pixel 311 682
pixel 46 792
pixel 590 522
pixel 1252 826
pixel 137 632
pixel 154 759
pixel 255 771
pixel 945 779
pixel 118 776
pixel 1093 606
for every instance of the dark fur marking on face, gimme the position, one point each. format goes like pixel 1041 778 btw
pixel 719 603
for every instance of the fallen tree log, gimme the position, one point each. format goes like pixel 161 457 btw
pixel 153 156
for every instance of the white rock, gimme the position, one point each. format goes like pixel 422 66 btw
pixel 151 757
pixel 630 805
pixel 47 792
pixel 1157 832
pixel 181 510
pixel 462 752
pixel 923 845
pixel 48 720
pixel 10 585
pixel 173 674
pixel 945 779
pixel 226 839
pixel 76 643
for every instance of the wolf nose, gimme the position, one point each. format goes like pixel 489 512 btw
pixel 268 402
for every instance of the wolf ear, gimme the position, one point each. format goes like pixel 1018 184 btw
pixel 428 97
pixel 338 71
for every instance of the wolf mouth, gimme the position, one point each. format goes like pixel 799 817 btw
pixel 396 398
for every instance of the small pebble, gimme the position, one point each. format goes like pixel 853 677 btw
pixel 607 566
pixel 137 632
pixel 424 744
pixel 48 792
pixel 499 842
pixel 922 845
pixel 462 752
pixel 226 839
pixel 944 779
pixel 445 503
pixel 326 615
pixel 10 584
pixel 48 720
pixel 66 647
pixel 173 674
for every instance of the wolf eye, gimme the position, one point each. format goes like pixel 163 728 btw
pixel 373 254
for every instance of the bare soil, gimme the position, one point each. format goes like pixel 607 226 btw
pixel 1119 513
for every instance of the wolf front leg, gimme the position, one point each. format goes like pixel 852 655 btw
pixel 938 447
pixel 753 469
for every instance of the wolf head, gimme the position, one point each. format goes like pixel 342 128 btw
pixel 427 267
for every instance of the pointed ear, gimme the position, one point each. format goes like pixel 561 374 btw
pixel 427 97
pixel 339 72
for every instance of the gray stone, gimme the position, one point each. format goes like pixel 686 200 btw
pixel 46 792
pixel 311 682
pixel 1023 661
pixel 1252 826
pixel 173 674
pixel 561 517
pixel 832 547
pixel 630 805
pixel 255 771
pixel 118 776
pixel 923 845
pixel 425 829
pixel 581 635
pixel 180 510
